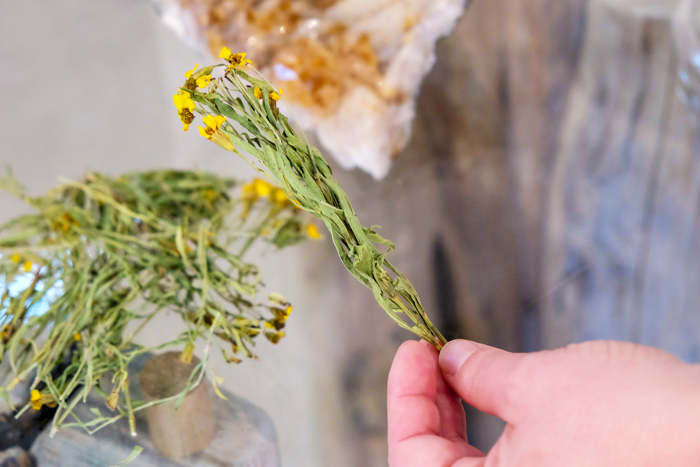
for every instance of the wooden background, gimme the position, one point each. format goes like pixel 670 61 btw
pixel 549 193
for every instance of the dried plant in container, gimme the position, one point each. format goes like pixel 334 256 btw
pixel 101 258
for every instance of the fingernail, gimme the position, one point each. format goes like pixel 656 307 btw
pixel 454 354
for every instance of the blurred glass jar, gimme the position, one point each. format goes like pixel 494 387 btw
pixel 686 37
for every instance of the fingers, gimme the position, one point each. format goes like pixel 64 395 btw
pixel 483 376
pixel 411 393
pixel 426 419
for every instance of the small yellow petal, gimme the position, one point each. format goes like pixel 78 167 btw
pixel 189 73
pixel 77 337
pixel 35 398
pixel 219 120
pixel 313 232
pixel 185 127
pixel 258 93
pixel 203 81
pixel 225 53
pixel 203 132
pixel 28 266
pixel 274 96
pixel 15 258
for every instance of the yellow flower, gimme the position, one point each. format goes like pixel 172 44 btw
pixel 213 123
pixel 234 60
pixel 27 266
pixel 15 258
pixel 313 232
pixel 225 53
pixel 200 78
pixel 274 96
pixel 282 315
pixel 262 188
pixel 185 105
pixel 212 132
pixel 77 337
pixel 275 337
pixel 258 93
pixel 279 198
pixel 38 399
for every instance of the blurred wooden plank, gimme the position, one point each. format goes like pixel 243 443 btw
pixel 448 204
pixel 669 276
pixel 544 42
pixel 605 229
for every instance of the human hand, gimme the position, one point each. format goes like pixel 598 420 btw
pixel 593 404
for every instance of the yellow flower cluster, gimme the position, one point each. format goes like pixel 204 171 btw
pixel 272 94
pixel 183 100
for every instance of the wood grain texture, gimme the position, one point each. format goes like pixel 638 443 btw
pixel 544 44
pixel 616 143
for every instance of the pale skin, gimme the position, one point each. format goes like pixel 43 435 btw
pixel 596 404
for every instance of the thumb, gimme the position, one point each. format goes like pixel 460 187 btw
pixel 481 375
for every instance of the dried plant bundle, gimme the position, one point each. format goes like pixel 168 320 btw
pixel 241 112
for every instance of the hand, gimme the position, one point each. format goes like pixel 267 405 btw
pixel 596 404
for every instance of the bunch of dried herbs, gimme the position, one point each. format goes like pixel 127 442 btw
pixel 101 258
pixel 241 112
